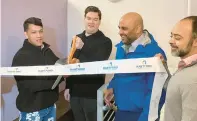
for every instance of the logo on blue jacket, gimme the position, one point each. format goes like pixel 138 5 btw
pixel 110 66
pixel 144 65
pixel 77 69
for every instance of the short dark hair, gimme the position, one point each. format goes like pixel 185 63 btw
pixel 32 20
pixel 194 25
pixel 93 9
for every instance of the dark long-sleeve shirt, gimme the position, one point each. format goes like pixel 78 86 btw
pixel 97 47
pixel 35 91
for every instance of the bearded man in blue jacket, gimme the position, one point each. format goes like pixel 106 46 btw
pixel 132 91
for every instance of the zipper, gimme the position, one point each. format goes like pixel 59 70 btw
pixel 43 53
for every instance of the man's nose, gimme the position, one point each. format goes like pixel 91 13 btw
pixel 38 34
pixel 171 41
pixel 120 32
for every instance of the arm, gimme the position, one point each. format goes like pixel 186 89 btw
pixel 189 102
pixel 103 52
pixel 144 114
pixel 112 82
pixel 32 83
pixel 109 92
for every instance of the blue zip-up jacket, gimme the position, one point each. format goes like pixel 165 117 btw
pixel 132 91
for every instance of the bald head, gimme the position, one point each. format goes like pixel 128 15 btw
pixel 133 19
pixel 131 27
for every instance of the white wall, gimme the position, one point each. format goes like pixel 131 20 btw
pixel 14 12
pixel 159 18
pixel 192 7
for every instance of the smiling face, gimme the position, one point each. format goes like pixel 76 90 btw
pixel 130 27
pixel 92 22
pixel 127 31
pixel 35 35
pixel 182 42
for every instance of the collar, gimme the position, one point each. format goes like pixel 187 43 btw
pixel 144 39
pixel 42 46
pixel 32 47
pixel 191 59
pixel 95 35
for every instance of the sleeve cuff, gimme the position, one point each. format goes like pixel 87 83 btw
pixel 77 53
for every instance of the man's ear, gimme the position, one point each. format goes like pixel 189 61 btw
pixel 25 33
pixel 138 29
pixel 195 42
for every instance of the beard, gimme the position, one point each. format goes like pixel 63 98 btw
pixel 182 52
pixel 127 40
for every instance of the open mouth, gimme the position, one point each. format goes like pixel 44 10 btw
pixel 174 47
pixel 39 40
pixel 90 27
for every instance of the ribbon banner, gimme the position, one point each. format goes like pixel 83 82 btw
pixel 141 65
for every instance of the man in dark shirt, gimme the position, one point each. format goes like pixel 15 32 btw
pixel 83 88
pixel 36 100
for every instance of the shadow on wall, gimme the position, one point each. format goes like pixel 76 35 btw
pixel 9 93
pixel 7 84
pixel 11 45
pixel 50 37
pixel 75 22
pixel 9 89
pixel 63 40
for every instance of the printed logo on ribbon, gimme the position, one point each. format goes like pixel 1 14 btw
pixel 110 66
pixel 143 65
pixel 46 69
pixel 14 70
pixel 78 68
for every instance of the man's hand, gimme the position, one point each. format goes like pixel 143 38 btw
pixel 75 60
pixel 67 95
pixel 108 94
pixel 65 76
pixel 79 43
pixel 160 56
